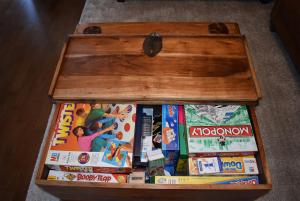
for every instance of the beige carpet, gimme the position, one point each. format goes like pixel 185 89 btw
pixel 279 110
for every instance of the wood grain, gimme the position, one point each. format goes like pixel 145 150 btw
pixel 189 68
pixel 257 86
pixel 57 70
pixel 164 28
pixel 265 174
pixel 31 36
pixel 147 88
pixel 85 45
pixel 130 192
pixel 142 65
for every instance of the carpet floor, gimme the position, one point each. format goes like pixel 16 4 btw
pixel 278 111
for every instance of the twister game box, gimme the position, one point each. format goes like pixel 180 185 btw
pixel 244 165
pixel 86 177
pixel 170 138
pixel 223 130
pixel 93 138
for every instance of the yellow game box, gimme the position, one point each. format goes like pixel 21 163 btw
pixel 206 180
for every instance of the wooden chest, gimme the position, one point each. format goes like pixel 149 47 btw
pixel 198 63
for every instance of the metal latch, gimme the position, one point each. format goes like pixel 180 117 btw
pixel 92 30
pixel 152 44
pixel 218 28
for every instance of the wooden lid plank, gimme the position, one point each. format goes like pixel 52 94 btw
pixel 165 28
pixel 189 68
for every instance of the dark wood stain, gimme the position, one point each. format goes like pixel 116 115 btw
pixel 32 35
pixel 144 65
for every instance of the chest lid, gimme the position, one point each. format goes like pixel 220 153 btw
pixel 204 68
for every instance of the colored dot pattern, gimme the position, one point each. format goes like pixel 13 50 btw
pixel 127 127
pixel 134 117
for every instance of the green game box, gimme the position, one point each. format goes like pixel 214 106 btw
pixel 219 130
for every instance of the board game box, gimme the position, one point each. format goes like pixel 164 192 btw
pixel 170 138
pixel 244 165
pixel 223 130
pixel 86 177
pixel 147 133
pixel 206 180
pixel 93 138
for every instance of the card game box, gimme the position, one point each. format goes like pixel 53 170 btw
pixel 223 130
pixel 244 165
pixel 86 177
pixel 93 138
pixel 137 177
pixel 156 162
pixel 206 180
pixel 170 138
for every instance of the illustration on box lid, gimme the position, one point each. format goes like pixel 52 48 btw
pixel 93 135
pixel 219 129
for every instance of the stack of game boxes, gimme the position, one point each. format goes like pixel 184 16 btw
pixel 163 144
pixel 220 147
pixel 92 142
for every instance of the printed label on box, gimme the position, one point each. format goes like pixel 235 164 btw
pixel 86 177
